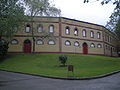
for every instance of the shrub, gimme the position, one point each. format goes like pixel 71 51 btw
pixel 3 49
pixel 63 59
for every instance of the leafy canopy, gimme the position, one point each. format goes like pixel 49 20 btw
pixel 41 8
pixel 11 16
pixel 114 23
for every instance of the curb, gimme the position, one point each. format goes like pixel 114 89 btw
pixel 68 78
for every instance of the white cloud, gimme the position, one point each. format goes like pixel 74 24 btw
pixel 92 12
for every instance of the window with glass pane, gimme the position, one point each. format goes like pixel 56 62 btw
pixel 51 42
pixel 27 29
pixel 51 28
pixel 76 32
pixel 67 43
pixel 40 42
pixel 98 35
pixel 92 45
pixel 91 34
pixel 40 28
pixel 14 41
pixel 84 33
pixel 76 43
pixel 99 46
pixel 67 30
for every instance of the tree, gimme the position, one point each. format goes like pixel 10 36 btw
pixel 63 60
pixel 11 16
pixel 40 8
pixel 114 23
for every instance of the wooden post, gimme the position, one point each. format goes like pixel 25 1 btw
pixel 70 69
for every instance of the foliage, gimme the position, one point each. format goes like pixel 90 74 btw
pixel 40 8
pixel 46 64
pixel 11 16
pixel 114 23
pixel 3 49
pixel 63 59
pixel 117 30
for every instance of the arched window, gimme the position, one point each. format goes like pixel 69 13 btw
pixel 14 41
pixel 67 30
pixel 99 46
pixel 40 42
pixel 51 29
pixel 51 42
pixel 2 41
pixel 98 35
pixel 40 28
pixel 92 34
pixel 76 32
pixel 84 33
pixel 15 28
pixel 67 43
pixel 92 45
pixel 27 28
pixel 76 43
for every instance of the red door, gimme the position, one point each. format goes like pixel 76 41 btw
pixel 27 46
pixel 85 48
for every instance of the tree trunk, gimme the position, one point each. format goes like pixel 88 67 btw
pixel 33 38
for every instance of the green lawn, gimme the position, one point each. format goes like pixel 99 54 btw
pixel 48 64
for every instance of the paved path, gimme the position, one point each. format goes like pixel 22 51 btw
pixel 15 81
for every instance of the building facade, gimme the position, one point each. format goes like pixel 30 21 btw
pixel 70 36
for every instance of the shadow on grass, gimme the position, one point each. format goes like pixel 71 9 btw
pixel 6 57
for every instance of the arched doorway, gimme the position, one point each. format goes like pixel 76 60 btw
pixel 85 48
pixel 27 46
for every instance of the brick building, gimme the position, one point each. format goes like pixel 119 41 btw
pixel 71 36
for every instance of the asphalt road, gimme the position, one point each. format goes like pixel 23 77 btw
pixel 15 81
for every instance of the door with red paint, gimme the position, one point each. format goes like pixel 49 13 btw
pixel 85 48
pixel 27 46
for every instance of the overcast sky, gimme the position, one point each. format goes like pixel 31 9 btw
pixel 92 12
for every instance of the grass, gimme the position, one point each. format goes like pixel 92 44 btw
pixel 48 64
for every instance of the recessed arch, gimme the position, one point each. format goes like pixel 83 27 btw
pixel 27 46
pixel 27 28
pixel 85 48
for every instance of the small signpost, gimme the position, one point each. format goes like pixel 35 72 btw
pixel 70 69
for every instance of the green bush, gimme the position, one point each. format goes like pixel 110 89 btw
pixel 63 59
pixel 3 49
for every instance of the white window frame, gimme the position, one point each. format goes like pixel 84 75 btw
pixel 51 29
pixel 92 34
pixel 67 30
pixel 14 41
pixel 84 33
pixel 76 32
pixel 98 35
pixel 92 45
pixel 99 46
pixel 67 43
pixel 51 42
pixel 39 42
pixel 76 43
pixel 27 28
pixel 40 28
